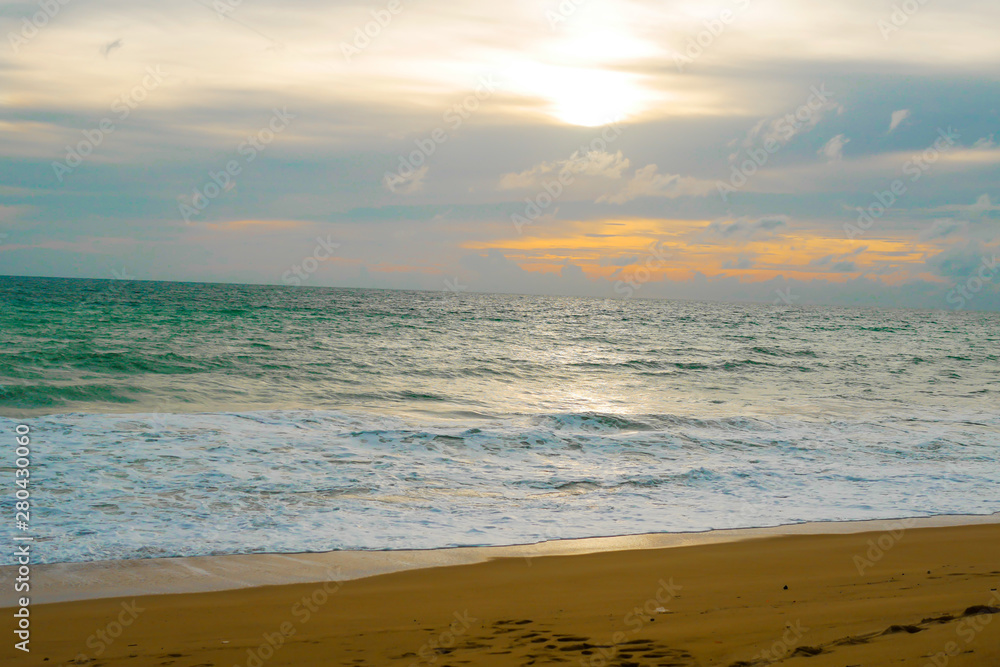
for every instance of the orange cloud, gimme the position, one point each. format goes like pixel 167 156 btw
pixel 620 247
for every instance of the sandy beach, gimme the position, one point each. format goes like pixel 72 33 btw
pixel 446 333
pixel 900 596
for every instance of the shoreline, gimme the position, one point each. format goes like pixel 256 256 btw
pixel 67 582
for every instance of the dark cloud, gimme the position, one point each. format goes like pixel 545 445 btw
pixel 844 267
pixel 741 261
pixel 961 262
pixel 111 46
pixel 745 228
pixel 623 260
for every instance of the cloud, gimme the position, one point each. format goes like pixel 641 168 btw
pixel 494 272
pixel 8 213
pixel 328 166
pixel 111 46
pixel 253 225
pixel 962 262
pixel 624 260
pixel 943 229
pixel 646 182
pixel 593 163
pixel 834 149
pixel 840 263
pixel 980 208
pixel 898 117
pixel 406 185
pixel 743 229
pixel 844 267
pixel 782 129
pixel 742 261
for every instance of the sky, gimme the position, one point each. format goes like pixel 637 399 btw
pixel 742 150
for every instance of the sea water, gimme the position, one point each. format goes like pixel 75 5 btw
pixel 173 419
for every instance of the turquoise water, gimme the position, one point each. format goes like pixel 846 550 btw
pixel 181 419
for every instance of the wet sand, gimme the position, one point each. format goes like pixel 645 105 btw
pixel 909 596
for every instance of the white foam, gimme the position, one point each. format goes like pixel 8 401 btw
pixel 110 487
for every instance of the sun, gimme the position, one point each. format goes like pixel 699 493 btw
pixel 586 97
pixel 595 97
pixel 582 78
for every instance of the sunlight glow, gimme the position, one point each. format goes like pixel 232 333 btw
pixel 577 96
pixel 583 76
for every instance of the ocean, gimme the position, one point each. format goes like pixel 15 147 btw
pixel 177 419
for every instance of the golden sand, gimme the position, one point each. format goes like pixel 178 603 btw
pixel 920 596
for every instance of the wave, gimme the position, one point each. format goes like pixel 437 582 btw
pixel 137 485
pixel 33 397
